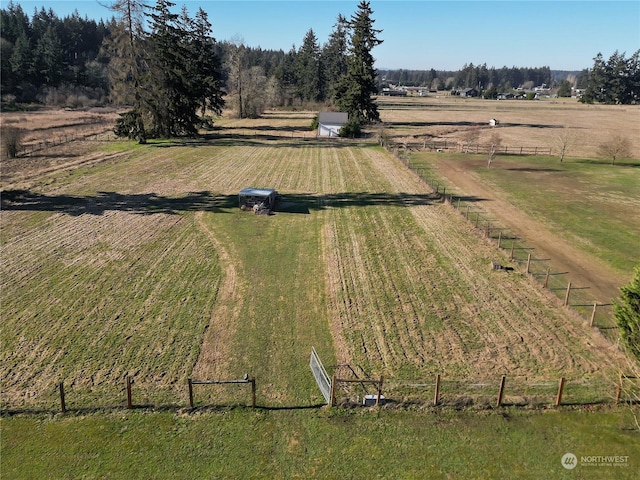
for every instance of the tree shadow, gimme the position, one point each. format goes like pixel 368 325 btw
pixel 98 204
pixel 533 169
pixel 153 203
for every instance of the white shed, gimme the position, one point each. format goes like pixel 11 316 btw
pixel 330 123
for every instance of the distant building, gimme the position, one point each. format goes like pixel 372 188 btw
pixel 469 92
pixel 330 123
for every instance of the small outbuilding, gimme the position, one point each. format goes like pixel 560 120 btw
pixel 260 200
pixel 330 123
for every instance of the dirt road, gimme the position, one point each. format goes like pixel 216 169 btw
pixel 584 270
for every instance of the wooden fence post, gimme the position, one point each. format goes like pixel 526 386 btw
pixel 379 391
pixel 332 400
pixel 560 390
pixel 458 203
pixel 593 314
pixel 436 396
pixel 253 392
pixel 546 279
pixel 566 295
pixel 190 393
pixel 500 239
pixel 528 262
pixel 619 390
pixel 467 214
pixel 63 406
pixel 128 382
pixel 512 247
pixel 501 391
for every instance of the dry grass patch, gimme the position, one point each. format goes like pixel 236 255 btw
pixel 522 123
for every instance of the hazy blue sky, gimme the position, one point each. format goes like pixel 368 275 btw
pixel 420 34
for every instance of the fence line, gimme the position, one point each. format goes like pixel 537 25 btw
pixel 106 135
pixel 596 313
pixel 444 145
pixel 442 392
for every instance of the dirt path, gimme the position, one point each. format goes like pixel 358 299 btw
pixel 584 270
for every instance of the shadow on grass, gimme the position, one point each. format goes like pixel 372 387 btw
pixel 153 203
pixel 261 137
pixel 153 408
pixel 625 162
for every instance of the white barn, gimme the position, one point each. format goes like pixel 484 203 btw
pixel 330 123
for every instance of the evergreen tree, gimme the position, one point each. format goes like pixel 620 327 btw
pixel 164 78
pixel 128 63
pixel 334 57
pixel 22 58
pixel 355 91
pixel 627 312
pixel 309 70
pixel 49 61
pixel 205 67
pixel 615 81
pixel 565 89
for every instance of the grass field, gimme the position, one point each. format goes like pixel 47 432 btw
pixel 142 264
pixel 320 444
pixel 522 123
pixel 132 266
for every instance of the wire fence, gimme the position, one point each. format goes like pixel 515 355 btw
pixel 596 312
pixel 439 391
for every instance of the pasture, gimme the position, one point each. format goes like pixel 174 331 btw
pixel 522 123
pixel 141 264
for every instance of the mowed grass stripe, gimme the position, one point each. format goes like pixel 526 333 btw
pixel 96 310
pixel 476 323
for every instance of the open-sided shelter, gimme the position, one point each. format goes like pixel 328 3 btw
pixel 263 198
pixel 330 123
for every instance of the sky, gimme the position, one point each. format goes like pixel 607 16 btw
pixel 422 34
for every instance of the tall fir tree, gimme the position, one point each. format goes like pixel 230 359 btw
pixel 309 70
pixel 205 66
pixel 334 57
pixel 127 64
pixel 359 84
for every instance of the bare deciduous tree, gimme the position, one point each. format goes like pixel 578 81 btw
pixel 12 140
pixel 494 142
pixel 616 147
pixel 470 137
pixel 565 141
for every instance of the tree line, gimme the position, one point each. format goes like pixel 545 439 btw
pixel 471 76
pixel 169 68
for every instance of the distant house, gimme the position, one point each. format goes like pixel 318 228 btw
pixel 469 92
pixel 506 96
pixel 330 123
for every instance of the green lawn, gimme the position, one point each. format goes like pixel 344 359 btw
pixel 593 204
pixel 354 444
